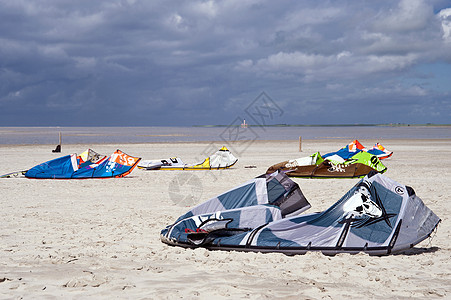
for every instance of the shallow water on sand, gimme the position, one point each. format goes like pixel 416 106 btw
pixel 107 135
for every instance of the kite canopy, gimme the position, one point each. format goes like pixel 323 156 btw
pixel 222 159
pixel 355 146
pixel 334 166
pixel 89 157
pixel 89 164
pixel 264 199
pixel 380 151
pixel 378 216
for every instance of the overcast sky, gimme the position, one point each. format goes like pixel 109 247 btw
pixel 147 63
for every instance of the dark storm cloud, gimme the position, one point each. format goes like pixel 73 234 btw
pixel 202 62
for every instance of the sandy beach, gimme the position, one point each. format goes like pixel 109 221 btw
pixel 100 238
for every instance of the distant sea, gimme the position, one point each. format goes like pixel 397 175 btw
pixel 121 135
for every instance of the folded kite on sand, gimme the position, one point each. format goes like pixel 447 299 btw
pixel 378 216
pixel 380 151
pixel 89 164
pixel 261 200
pixel 222 159
pixel 334 166
pixel 355 146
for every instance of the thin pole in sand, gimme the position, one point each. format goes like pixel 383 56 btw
pixel 300 144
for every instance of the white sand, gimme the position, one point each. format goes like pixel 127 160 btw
pixel 100 238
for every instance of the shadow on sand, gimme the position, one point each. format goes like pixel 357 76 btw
pixel 418 251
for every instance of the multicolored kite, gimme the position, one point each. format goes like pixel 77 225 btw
pixel 334 166
pixel 355 146
pixel 89 164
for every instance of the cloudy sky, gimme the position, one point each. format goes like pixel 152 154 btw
pixel 170 63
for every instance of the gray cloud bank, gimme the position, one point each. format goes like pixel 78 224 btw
pixel 145 63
